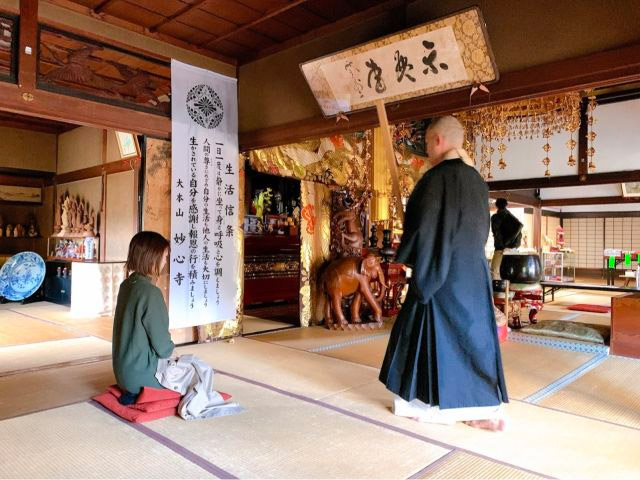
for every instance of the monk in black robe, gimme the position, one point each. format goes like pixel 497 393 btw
pixel 443 360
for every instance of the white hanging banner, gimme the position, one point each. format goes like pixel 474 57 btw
pixel 204 197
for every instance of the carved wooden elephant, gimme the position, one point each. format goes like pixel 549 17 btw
pixel 352 276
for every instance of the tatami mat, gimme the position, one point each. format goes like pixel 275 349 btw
pixel 611 392
pixel 458 465
pixel 18 329
pixel 537 439
pixel 307 416
pixel 369 353
pixel 36 355
pixel 80 441
pixel 101 327
pixel 44 389
pixel 283 437
pixel 319 337
pixel 588 298
pixel 255 324
pixel 298 371
pixel 530 368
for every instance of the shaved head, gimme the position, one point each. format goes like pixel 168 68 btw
pixel 449 128
pixel 444 135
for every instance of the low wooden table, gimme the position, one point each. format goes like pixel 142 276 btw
pixel 625 325
pixel 551 287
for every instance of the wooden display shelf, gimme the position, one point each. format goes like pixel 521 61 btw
pixel 65 259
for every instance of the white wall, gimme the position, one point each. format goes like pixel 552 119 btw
pixel 585 191
pixel 617 146
pixel 524 158
pixel 617 143
pixel 617 207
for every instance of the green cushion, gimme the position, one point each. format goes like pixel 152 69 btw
pixel 571 330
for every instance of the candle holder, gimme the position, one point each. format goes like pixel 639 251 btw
pixel 388 252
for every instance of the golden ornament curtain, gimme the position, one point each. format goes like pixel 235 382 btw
pixel 314 247
pixel 337 160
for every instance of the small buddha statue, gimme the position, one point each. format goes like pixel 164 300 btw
pixel 32 230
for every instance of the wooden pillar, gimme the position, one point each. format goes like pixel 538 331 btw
pixel 28 52
pixel 583 142
pixel 537 228
pixel 391 157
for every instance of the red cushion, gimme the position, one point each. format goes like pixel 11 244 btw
pixel 503 332
pixel 584 307
pixel 151 404
pixel 109 401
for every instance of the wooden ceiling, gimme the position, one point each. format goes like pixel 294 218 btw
pixel 235 30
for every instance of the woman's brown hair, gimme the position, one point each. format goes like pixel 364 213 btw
pixel 145 253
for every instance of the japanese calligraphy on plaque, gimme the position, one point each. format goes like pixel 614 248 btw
pixel 204 275
pixel 446 54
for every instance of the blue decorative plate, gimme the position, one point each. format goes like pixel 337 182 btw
pixel 21 276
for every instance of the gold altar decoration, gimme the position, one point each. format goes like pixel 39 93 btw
pixel 157 217
pixel 591 135
pixel 337 160
pixel 315 238
pixel 533 118
pixel 411 166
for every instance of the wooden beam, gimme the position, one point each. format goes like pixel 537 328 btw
pixel 102 6
pixel 328 29
pixel 84 112
pixel 267 15
pixel 186 9
pixel 516 198
pixel 566 181
pixel 28 52
pixel 611 67
pixel 564 202
pixel 98 170
pixel 133 27
pixel 32 126
pixel 20 181
pixel 564 215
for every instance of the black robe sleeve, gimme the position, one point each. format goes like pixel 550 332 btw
pixel 430 226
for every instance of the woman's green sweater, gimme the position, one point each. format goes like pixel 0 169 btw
pixel 140 334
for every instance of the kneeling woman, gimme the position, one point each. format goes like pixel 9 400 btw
pixel 141 323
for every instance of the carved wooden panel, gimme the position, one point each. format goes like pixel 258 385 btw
pixel 8 48
pixel 85 68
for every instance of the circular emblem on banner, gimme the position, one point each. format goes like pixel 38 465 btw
pixel 204 106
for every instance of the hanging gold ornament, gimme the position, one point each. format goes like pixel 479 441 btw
pixel 591 135
pixel 571 145
pixel 526 119
pixel 547 161
pixel 501 149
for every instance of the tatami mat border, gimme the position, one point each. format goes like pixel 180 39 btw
pixel 347 343
pixel 565 380
pixel 572 346
pixel 432 465
pixel 171 445
pixel 272 330
pixel 268 332
pixel 377 423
